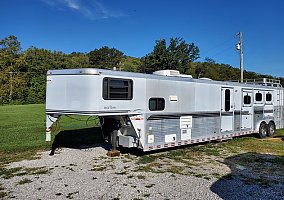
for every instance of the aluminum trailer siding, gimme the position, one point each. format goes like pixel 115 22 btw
pixel 155 112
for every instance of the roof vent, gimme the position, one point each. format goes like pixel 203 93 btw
pixel 169 72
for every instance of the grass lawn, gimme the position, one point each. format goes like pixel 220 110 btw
pixel 22 130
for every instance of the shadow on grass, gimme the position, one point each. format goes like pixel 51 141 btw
pixel 253 176
pixel 280 137
pixel 79 139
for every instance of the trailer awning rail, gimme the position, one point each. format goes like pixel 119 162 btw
pixel 261 81
pixel 264 81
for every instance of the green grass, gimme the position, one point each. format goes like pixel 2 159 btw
pixel 20 171
pixel 141 177
pixel 98 168
pixel 22 131
pixel 22 127
pixel 255 145
pixel 147 159
pixel 24 181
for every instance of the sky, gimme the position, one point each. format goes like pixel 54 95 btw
pixel 133 27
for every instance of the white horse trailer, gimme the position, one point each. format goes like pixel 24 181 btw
pixel 164 109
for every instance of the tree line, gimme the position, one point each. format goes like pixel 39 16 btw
pixel 23 73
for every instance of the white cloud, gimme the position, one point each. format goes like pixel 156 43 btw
pixel 90 9
pixel 73 4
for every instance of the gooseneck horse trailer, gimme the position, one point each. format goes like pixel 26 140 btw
pixel 164 109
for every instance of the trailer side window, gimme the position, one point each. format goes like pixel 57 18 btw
pixel 117 89
pixel 247 99
pixel 268 97
pixel 156 104
pixel 227 100
pixel 258 96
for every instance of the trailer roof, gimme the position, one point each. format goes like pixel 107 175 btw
pixel 96 71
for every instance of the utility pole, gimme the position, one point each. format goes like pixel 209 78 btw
pixel 11 85
pixel 240 48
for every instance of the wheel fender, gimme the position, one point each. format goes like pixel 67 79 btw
pixel 272 122
pixel 256 128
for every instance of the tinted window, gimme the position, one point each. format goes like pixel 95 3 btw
pixel 247 99
pixel 268 97
pixel 227 100
pixel 258 97
pixel 117 89
pixel 156 104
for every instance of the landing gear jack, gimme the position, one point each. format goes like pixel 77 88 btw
pixel 113 152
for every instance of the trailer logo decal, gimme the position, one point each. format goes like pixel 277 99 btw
pixel 109 107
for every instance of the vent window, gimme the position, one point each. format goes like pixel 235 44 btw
pixel 156 104
pixel 117 89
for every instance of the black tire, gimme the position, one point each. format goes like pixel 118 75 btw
pixel 271 129
pixel 263 130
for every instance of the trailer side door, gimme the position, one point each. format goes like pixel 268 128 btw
pixel 247 109
pixel 227 109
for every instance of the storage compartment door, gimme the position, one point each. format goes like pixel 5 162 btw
pixel 185 127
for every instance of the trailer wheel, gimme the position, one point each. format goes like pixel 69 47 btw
pixel 263 130
pixel 271 129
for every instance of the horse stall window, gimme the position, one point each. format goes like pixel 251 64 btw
pixel 117 89
pixel 247 99
pixel 156 104
pixel 258 97
pixel 227 100
pixel 268 97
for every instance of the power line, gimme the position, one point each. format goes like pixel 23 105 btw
pixel 222 51
pixel 220 44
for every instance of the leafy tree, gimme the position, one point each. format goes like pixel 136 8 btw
pixel 176 56
pixel 10 45
pixel 4 88
pixel 13 85
pixel 130 64
pixel 41 60
pixel 10 49
pixel 105 57
pixel 78 60
pixel 210 60
pixel 36 89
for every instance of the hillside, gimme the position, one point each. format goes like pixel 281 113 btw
pixel 23 73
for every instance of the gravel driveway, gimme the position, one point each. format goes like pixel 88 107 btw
pixel 89 174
